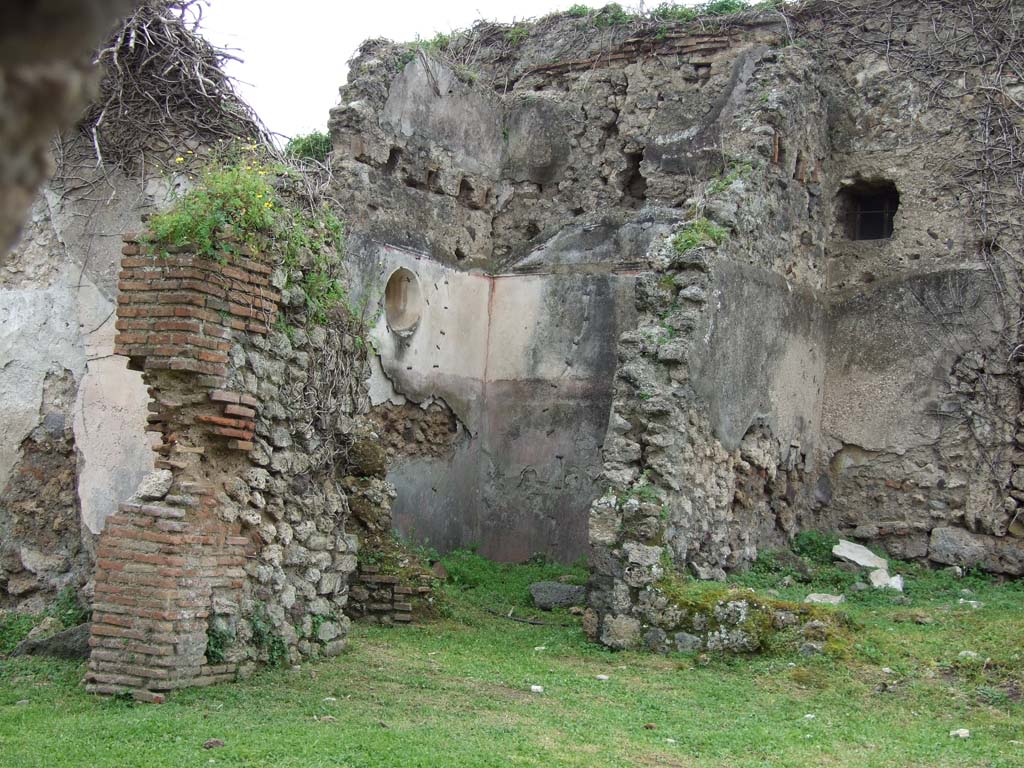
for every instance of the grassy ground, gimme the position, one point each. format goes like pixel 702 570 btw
pixel 457 693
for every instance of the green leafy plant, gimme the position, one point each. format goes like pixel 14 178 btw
pixel 735 172
pixel 309 146
pixel 641 490
pixel 217 642
pixel 613 15
pixel 265 638
pixel 724 7
pixel 578 11
pixel 236 202
pixel 700 232
pixel 517 34
pixel 235 197
pixel 816 546
pixel 68 608
pixel 14 627
pixel 675 12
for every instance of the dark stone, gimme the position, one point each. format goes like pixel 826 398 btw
pixel 791 561
pixel 70 644
pixel 367 458
pixel 551 594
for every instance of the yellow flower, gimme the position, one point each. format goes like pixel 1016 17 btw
pixel 268 204
pixel 179 159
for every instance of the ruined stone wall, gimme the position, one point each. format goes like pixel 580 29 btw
pixel 540 184
pixel 725 433
pixel 240 549
pixel 775 371
pixel 922 392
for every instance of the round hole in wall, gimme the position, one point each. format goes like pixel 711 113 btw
pixel 403 300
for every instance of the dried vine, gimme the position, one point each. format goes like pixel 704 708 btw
pixel 164 88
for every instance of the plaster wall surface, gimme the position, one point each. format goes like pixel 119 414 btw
pixel 760 355
pixel 525 362
pixel 75 443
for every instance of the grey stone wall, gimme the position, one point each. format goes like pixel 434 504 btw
pixel 788 378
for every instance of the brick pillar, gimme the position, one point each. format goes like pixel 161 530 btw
pixel 163 566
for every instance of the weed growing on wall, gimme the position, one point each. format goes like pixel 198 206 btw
pixel 699 232
pixel 226 198
pixel 217 642
pixel 734 173
pixel 265 638
pixel 246 199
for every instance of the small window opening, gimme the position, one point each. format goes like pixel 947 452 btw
pixel 868 209
pixel 403 301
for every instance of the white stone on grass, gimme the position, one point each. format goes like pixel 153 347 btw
pixel 858 555
pixel 823 599
pixel 960 733
pixel 880 579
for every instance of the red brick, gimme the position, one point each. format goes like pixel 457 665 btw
pixel 237 433
pixel 197 313
pixel 240 410
pixel 238 309
pixel 132 325
pixel 187 326
pixel 131 338
pixel 221 421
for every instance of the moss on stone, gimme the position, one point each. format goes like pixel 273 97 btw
pixel 697 599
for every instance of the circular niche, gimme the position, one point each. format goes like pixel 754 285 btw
pixel 403 301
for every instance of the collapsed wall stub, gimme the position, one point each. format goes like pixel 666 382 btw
pixel 240 548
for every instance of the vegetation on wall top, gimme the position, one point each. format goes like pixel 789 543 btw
pixel 309 146
pixel 246 199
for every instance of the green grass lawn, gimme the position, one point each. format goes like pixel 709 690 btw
pixel 456 692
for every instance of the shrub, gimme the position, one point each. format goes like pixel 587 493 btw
pixel 217 642
pixel 236 196
pixel 68 608
pixel 309 146
pixel 517 34
pixel 697 233
pixel 816 546
pixel 612 15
